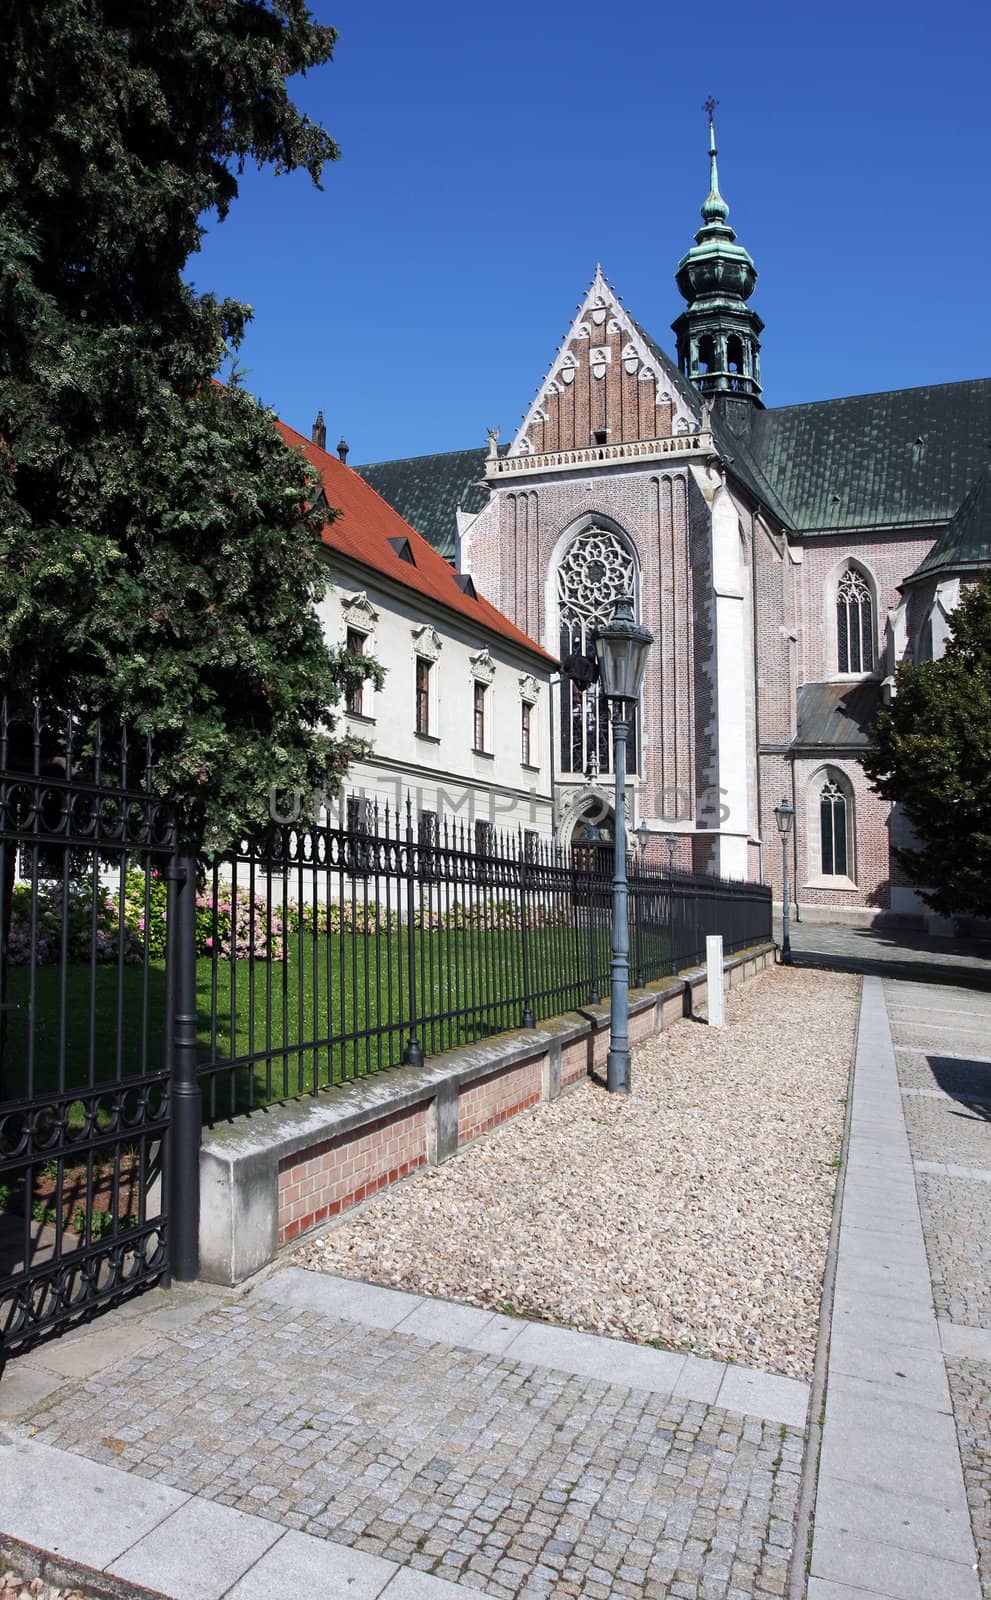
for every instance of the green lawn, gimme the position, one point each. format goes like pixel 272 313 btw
pixel 333 1010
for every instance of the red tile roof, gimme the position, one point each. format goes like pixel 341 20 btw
pixel 363 531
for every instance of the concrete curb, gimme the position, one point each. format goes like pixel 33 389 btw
pixel 29 1562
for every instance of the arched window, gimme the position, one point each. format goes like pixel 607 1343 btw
pixel 707 354
pixel 596 568
pixel 854 623
pixel 833 831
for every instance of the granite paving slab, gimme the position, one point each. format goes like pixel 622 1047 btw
pixel 892 1515
pixel 950 1139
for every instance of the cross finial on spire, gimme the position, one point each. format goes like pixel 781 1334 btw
pixel 715 208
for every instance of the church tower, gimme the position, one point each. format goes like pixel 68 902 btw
pixel 719 335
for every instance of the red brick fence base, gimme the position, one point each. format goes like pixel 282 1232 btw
pixel 267 1178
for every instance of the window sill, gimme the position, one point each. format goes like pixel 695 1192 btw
pixel 360 716
pixel 486 755
pixel 428 738
pixel 829 883
pixel 530 766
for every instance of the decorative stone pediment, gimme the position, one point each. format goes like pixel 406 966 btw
pixel 358 611
pixel 529 689
pixel 482 667
pixel 427 642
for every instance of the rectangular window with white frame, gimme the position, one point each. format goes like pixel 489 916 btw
pixel 480 713
pixel 527 731
pixel 423 670
pixel 356 643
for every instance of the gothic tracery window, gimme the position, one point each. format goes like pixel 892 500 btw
pixel 833 830
pixel 596 569
pixel 854 623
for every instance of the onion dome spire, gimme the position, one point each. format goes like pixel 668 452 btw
pixel 715 208
pixel 718 336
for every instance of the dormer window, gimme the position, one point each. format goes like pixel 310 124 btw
pixel 403 550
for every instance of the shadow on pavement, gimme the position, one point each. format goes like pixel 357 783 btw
pixel 905 954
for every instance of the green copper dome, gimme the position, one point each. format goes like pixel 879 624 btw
pixel 718 336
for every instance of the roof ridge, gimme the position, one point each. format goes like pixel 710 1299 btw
pixel 429 455
pixel 877 394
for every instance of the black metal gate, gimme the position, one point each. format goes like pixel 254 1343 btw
pixel 85 848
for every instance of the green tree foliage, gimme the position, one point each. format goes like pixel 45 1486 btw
pixel 932 754
pixel 158 560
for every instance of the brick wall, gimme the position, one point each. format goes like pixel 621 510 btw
pixel 328 1178
pixel 574 1062
pixel 487 1102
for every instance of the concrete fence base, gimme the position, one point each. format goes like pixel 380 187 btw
pixel 267 1178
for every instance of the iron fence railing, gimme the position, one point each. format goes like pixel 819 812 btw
pixel 141 989
pixel 333 952
pixel 84 1083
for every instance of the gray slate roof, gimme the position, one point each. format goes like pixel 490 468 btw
pixel 903 458
pixel 837 713
pixel 427 491
pixel 965 546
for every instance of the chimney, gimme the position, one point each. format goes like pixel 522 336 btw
pixel 319 433
pixel 342 448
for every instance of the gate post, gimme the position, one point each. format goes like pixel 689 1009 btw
pixel 184 1090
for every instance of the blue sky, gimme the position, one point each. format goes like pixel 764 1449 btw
pixel 491 155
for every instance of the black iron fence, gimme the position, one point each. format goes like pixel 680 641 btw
pixel 333 952
pixel 84 1083
pixel 142 990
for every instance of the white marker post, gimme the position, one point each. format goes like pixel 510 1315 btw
pixel 714 980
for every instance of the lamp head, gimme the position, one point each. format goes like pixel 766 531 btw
pixel 621 650
pixel 785 815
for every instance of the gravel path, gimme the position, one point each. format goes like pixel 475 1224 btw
pixel 694 1214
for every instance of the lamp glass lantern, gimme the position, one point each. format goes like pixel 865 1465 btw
pixel 621 649
pixel 784 814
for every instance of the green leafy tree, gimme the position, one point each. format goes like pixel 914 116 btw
pixel 932 754
pixel 159 562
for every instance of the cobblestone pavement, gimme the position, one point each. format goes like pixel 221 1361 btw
pixel 942 1041
pixel 501 1475
pixel 890 953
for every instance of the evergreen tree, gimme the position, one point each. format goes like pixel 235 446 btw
pixel 158 558
pixel 932 755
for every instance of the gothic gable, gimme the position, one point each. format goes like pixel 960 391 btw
pixel 608 385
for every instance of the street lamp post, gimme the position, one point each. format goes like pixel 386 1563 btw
pixel 785 816
pixel 621 649
pixel 672 841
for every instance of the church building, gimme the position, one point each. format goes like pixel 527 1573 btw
pixel 785 559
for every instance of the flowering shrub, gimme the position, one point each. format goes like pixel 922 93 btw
pixel 229 923
pixel 88 922
pixel 148 919
pixel 240 925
